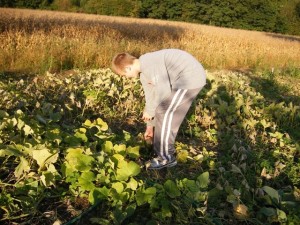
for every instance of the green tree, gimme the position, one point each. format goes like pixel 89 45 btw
pixel 297 9
pixel 190 10
pixel 173 9
pixel 7 3
pixel 161 9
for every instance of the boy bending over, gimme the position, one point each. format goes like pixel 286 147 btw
pixel 171 79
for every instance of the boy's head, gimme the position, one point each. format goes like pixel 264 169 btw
pixel 125 64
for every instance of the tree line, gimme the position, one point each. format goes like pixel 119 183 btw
pixel 280 16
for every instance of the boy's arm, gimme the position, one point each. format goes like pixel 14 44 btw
pixel 154 94
pixel 150 97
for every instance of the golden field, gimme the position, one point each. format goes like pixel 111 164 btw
pixel 35 41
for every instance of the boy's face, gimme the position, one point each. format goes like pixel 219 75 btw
pixel 132 71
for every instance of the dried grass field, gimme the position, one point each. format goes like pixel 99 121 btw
pixel 38 41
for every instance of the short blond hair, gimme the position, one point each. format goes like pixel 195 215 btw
pixel 120 61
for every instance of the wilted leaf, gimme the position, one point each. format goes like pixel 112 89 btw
pixel 44 156
pixel 27 130
pixel 22 167
pixel 11 150
pixel 241 211
pixel 48 178
pixel 264 174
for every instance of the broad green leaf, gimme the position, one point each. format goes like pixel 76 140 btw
pixel 54 135
pixel 272 193
pixel 88 175
pixel 19 113
pixel 20 124
pixel 88 123
pixel 281 216
pixel 81 134
pixel 3 114
pixel 130 210
pixel 22 167
pixel 127 135
pixel 118 216
pixel 133 152
pixel 85 180
pixel 120 148
pixel 51 168
pixel 78 160
pixel 11 123
pixel 126 170
pixel 133 168
pixel 98 194
pixel 107 147
pixel 171 189
pixel 145 196
pixel 214 193
pixel 132 184
pixel 191 185
pixel 103 125
pixel 165 209
pixel 72 141
pixel 44 156
pixel 27 130
pixel 118 186
pixel 268 211
pixel 70 173
pixel 117 158
pixel 231 198
pixel 203 180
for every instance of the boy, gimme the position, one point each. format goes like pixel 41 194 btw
pixel 171 79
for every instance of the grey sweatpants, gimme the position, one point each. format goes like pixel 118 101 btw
pixel 168 118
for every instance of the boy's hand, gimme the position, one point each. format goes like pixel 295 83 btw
pixel 148 135
pixel 146 117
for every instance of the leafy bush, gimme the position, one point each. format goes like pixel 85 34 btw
pixel 63 149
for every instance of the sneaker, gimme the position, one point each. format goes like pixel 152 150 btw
pixel 159 163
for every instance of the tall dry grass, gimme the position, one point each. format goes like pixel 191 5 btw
pixel 34 41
